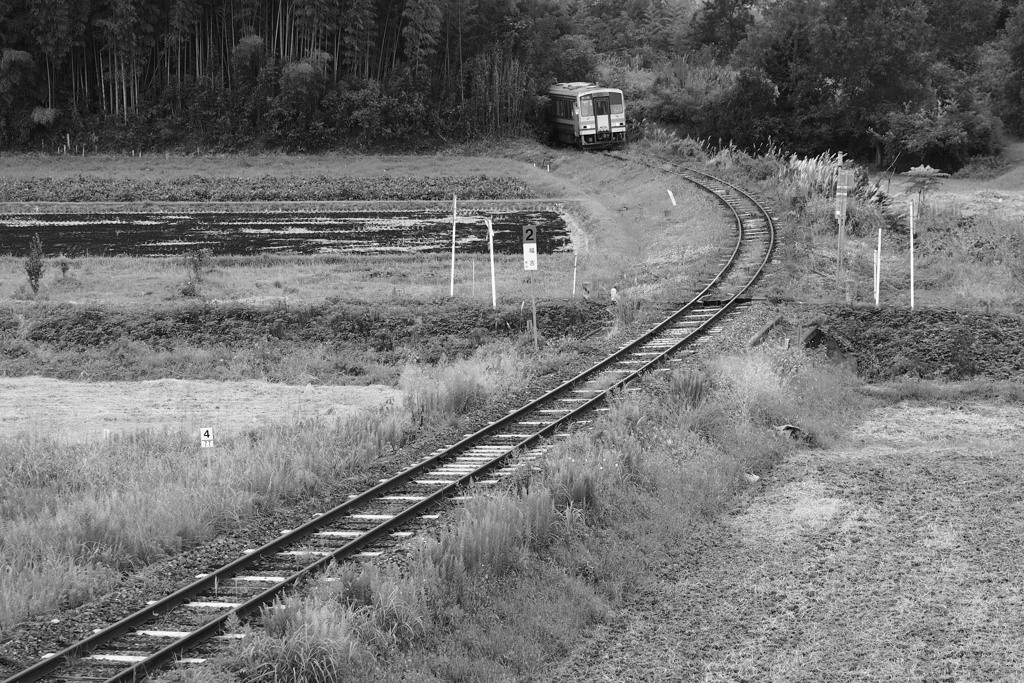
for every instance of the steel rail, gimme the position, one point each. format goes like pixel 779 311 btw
pixel 215 625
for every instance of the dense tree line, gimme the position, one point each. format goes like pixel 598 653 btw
pixel 903 80
pixel 300 73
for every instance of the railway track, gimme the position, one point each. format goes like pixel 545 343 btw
pixel 179 627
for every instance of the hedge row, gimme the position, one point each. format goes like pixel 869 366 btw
pixel 930 344
pixel 197 188
pixel 380 327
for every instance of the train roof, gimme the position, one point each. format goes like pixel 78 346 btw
pixel 578 88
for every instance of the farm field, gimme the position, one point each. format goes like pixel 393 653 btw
pixel 262 232
pixel 129 352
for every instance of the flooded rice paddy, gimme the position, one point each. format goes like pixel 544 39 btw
pixel 353 232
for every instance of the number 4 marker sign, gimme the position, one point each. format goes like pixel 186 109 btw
pixel 206 437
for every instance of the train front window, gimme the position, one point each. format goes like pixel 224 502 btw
pixel 586 107
pixel 616 99
pixel 601 106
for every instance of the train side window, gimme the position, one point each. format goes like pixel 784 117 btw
pixel 586 106
pixel 616 99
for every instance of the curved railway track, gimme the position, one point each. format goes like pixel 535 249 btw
pixel 166 629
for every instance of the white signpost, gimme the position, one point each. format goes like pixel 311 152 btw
pixel 529 247
pixel 455 220
pixel 490 243
pixel 530 264
pixel 206 437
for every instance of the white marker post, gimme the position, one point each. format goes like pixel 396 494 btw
pixel 490 240
pixel 874 275
pixel 671 197
pixel 455 215
pixel 530 264
pixel 206 437
pixel 878 269
pixel 575 261
pixel 911 255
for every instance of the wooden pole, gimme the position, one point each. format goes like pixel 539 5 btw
pixel 911 255
pixel 454 218
pixel 490 239
pixel 533 296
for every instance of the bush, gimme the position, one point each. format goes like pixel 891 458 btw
pixel 944 136
pixel 35 266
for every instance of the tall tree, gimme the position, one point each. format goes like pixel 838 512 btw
pixel 53 30
pixel 421 28
pixel 839 65
pixel 359 36
pixel 721 24
pixel 959 28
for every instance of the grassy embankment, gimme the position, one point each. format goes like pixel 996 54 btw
pixel 968 261
pixel 70 526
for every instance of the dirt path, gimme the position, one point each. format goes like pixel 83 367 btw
pixel 895 558
pixel 82 411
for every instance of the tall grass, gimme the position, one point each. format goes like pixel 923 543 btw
pixel 73 516
pixel 314 641
pixel 455 387
pixel 659 463
pixel 812 176
pixel 966 260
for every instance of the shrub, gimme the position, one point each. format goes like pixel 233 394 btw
pixel 196 263
pixel 35 266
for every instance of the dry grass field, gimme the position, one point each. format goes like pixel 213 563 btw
pixel 680 539
pixel 891 556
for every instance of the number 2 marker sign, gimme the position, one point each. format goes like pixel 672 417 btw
pixel 529 247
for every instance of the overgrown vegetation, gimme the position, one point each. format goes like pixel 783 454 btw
pixel 966 261
pixel 329 342
pixel 264 188
pixel 75 515
pixel 669 459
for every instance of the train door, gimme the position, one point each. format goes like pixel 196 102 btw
pixel 603 114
